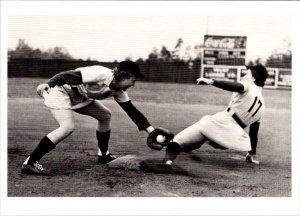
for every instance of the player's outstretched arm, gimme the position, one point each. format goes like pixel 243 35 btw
pixel 136 116
pixel 158 137
pixel 204 81
pixel 226 85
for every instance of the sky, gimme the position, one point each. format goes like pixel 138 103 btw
pixel 108 38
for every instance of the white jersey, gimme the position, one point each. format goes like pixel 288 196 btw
pixel 223 128
pixel 96 80
pixel 249 105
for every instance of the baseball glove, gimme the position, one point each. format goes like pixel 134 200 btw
pixel 152 142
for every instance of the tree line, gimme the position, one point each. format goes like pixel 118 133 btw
pixel 188 54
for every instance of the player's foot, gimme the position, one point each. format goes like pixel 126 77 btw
pixel 34 169
pixel 172 150
pixel 250 159
pixel 104 159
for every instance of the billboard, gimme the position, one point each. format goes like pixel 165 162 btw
pixel 219 73
pixel 285 78
pixel 225 42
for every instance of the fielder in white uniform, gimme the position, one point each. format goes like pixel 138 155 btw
pixel 225 130
pixel 80 91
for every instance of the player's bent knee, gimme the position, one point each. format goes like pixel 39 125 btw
pixel 105 117
pixel 67 129
pixel 203 122
pixel 204 119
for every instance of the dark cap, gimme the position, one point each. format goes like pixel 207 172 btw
pixel 261 73
pixel 131 67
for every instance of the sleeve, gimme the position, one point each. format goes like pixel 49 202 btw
pixel 136 116
pixel 229 86
pixel 72 77
pixel 253 133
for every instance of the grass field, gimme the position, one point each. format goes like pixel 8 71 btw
pixel 173 106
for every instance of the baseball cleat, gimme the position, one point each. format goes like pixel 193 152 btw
pixel 106 158
pixel 250 159
pixel 34 169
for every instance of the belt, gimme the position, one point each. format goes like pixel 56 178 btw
pixel 236 118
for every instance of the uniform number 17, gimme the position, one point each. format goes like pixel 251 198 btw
pixel 252 106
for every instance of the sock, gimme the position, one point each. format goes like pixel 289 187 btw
pixel 103 138
pixel 45 146
pixel 252 152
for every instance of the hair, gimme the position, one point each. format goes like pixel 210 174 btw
pixel 121 75
pixel 260 77
pixel 260 83
pixel 130 67
pixel 260 73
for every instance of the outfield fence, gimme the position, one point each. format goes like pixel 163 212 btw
pixel 154 71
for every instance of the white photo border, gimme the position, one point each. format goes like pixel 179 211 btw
pixel 143 206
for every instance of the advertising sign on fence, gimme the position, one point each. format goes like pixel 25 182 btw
pixel 221 73
pixel 285 78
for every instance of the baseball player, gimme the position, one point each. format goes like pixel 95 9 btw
pixel 80 91
pixel 225 130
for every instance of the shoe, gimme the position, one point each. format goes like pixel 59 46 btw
pixel 34 169
pixel 250 159
pixel 104 159
pixel 171 153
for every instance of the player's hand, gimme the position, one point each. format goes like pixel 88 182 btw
pixel 250 159
pixel 153 138
pixel 41 88
pixel 204 81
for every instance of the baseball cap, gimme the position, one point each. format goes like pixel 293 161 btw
pixel 261 73
pixel 131 67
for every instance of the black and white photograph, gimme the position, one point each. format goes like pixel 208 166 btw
pixel 149 108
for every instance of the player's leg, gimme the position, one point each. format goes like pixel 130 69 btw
pixel 66 123
pixel 65 120
pixel 187 140
pixel 98 111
